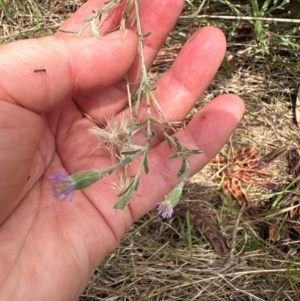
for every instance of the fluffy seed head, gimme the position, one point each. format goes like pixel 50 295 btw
pixel 115 136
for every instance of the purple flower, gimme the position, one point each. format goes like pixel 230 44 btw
pixel 65 185
pixel 62 185
pixel 165 209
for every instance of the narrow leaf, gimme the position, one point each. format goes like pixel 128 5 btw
pixel 146 166
pixel 168 139
pixel 132 152
pixel 182 168
pixel 177 155
pixel 126 189
pixel 126 198
pixel 196 151
pixel 176 141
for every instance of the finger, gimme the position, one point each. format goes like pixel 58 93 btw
pixel 197 63
pixel 157 17
pixel 209 130
pixel 73 66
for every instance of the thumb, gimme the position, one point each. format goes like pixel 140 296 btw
pixel 39 74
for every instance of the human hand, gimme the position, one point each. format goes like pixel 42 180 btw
pixel 49 249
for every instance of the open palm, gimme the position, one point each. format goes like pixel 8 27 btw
pixel 49 249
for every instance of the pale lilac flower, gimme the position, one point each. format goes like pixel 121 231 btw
pixel 165 209
pixel 65 185
pixel 62 186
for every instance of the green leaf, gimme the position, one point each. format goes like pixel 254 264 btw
pixel 147 34
pixel 182 168
pixel 132 152
pixel 95 31
pixel 126 194
pixel 168 139
pixel 126 189
pixel 126 161
pixel 196 151
pixel 146 166
pixel 136 186
pixel 126 197
pixel 176 141
pixel 177 155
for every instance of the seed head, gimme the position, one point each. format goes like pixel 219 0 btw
pixel 116 135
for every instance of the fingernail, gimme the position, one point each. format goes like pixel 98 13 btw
pixel 116 35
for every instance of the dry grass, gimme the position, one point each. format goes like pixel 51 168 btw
pixel 171 260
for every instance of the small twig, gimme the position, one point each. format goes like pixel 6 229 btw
pixel 235 230
pixel 234 233
pixel 279 291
